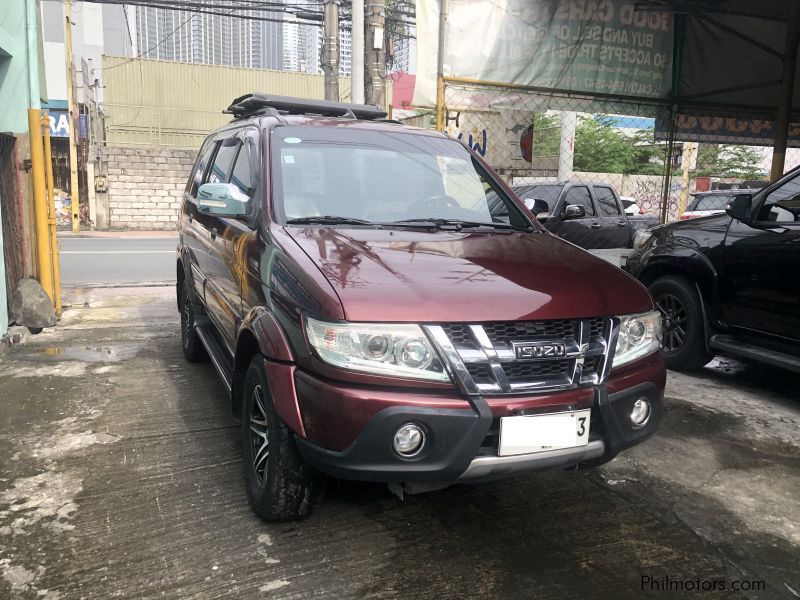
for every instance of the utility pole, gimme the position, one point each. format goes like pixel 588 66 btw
pixel 74 126
pixel 330 49
pixel 566 147
pixel 376 54
pixel 357 64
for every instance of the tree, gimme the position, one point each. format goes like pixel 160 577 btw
pixel 546 135
pixel 600 147
pixel 728 160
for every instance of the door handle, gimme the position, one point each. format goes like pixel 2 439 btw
pixel 213 233
pixel 595 225
pixel 622 224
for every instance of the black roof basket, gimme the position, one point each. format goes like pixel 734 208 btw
pixel 253 104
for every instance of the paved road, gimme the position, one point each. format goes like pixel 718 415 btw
pixel 116 261
pixel 121 477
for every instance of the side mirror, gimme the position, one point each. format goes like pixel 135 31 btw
pixel 538 206
pixel 222 200
pixel 573 211
pixel 740 207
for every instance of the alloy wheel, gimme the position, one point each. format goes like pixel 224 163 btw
pixel 675 321
pixel 259 435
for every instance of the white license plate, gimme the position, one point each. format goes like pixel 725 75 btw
pixel 539 433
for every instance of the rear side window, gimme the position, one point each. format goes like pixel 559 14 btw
pixel 580 197
pixel 200 168
pixel 223 161
pixel 606 202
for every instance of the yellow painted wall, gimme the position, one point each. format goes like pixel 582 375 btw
pixel 174 104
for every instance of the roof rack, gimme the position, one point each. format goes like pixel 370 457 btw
pixel 253 104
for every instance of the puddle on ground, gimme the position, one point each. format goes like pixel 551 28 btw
pixel 87 354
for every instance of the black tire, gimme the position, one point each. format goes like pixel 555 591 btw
pixel 280 485
pixel 683 345
pixel 35 330
pixel 193 348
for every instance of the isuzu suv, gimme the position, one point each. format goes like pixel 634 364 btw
pixel 375 317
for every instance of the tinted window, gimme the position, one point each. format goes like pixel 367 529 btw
pixel 200 167
pixel 783 204
pixel 382 177
pixel 606 202
pixel 221 169
pixel 242 170
pixel 580 197
pixel 712 202
pixel 546 193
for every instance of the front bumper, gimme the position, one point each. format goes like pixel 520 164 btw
pixel 462 435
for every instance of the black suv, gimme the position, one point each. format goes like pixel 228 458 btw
pixel 729 283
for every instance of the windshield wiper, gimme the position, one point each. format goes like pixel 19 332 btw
pixel 456 224
pixel 329 220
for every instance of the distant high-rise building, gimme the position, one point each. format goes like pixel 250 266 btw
pixel 180 35
pixel 405 55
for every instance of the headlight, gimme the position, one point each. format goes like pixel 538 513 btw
pixel 400 350
pixel 639 335
pixel 640 238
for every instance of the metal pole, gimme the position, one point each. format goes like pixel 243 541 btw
pixel 376 54
pixel 73 124
pixel 688 150
pixel 51 215
pixel 440 124
pixel 43 256
pixel 330 49
pixel 787 89
pixel 668 170
pixel 358 53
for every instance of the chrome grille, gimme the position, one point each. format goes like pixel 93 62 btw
pixel 484 360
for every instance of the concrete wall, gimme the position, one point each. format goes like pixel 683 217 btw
pixel 145 186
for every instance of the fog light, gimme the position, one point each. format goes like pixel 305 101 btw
pixel 640 413
pixel 409 440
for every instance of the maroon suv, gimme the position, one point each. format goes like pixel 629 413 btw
pixel 382 307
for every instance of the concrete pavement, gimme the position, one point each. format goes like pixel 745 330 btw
pixel 120 476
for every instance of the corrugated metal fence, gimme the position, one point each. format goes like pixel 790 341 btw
pixel 175 105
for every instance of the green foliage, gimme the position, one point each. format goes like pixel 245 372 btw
pixel 546 135
pixel 600 147
pixel 728 160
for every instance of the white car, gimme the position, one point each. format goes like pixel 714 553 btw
pixel 631 206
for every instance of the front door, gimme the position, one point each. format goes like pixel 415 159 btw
pixel 760 282
pixel 229 237
pixel 194 224
pixel 583 231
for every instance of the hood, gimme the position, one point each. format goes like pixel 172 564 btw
pixel 412 276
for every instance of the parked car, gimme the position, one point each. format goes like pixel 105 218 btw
pixel 704 204
pixel 589 215
pixel 375 317
pixel 630 206
pixel 729 283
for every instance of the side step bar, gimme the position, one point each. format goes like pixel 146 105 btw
pixel 728 344
pixel 218 355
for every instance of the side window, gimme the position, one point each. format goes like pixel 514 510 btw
pixel 223 161
pixel 242 176
pixel 606 202
pixel 200 167
pixel 783 204
pixel 580 197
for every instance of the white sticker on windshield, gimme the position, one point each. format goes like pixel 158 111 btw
pixel 292 140
pixel 288 159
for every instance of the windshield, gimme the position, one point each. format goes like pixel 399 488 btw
pixel 330 174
